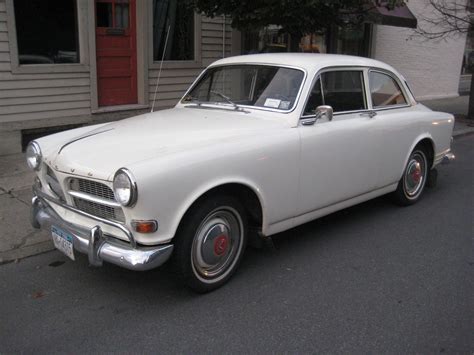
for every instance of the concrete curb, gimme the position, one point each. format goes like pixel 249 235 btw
pixel 463 132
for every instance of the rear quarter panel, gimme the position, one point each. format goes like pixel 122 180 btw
pixel 402 130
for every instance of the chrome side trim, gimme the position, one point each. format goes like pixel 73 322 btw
pixel 98 246
pixel 82 137
pixel 117 225
pixel 92 198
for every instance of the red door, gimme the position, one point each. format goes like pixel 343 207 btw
pixel 116 52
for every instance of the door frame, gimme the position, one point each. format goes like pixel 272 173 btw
pixel 142 62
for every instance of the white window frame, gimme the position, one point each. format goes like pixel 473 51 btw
pixel 175 64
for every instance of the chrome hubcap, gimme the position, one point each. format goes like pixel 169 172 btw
pixel 415 174
pixel 217 243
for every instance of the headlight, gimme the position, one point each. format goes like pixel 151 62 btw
pixel 33 156
pixel 125 188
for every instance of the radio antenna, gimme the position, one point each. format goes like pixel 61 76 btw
pixel 159 72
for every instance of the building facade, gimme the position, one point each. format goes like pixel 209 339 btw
pixel 70 62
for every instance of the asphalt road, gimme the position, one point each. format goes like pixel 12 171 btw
pixel 372 278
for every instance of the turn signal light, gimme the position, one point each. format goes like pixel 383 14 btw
pixel 150 226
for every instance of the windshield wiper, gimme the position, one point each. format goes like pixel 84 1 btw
pixel 227 98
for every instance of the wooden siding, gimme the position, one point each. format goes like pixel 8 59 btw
pixel 174 82
pixel 38 96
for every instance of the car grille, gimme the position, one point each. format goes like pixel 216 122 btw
pixel 99 190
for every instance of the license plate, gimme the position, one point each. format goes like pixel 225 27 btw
pixel 63 241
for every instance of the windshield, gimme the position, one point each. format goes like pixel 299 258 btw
pixel 248 85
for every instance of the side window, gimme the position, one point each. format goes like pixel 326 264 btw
pixel 384 90
pixel 342 90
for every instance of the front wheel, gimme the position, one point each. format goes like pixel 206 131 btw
pixel 411 185
pixel 210 243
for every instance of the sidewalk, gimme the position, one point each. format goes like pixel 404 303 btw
pixel 18 239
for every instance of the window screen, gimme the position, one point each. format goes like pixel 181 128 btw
pixel 384 90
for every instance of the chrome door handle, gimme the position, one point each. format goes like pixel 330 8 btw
pixel 370 114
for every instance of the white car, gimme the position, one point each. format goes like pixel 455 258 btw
pixel 259 144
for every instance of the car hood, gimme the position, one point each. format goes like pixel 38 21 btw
pixel 100 152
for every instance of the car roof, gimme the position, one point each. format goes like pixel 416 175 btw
pixel 307 61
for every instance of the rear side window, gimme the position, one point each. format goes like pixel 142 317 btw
pixel 342 90
pixel 384 90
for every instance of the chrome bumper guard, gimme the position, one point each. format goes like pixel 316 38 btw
pixel 448 158
pixel 98 246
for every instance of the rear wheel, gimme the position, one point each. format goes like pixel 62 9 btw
pixel 411 185
pixel 210 243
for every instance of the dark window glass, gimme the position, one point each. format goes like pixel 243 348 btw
pixel 353 40
pixel 385 91
pixel 104 14
pixel 343 90
pixel 46 31
pixel 178 16
pixel 315 99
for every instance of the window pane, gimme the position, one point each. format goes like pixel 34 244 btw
pixel 178 16
pixel 315 99
pixel 384 90
pixel 46 31
pixel 250 85
pixel 353 40
pixel 121 14
pixel 343 90
pixel 104 14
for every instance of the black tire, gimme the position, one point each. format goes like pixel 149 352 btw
pixel 210 242
pixel 412 184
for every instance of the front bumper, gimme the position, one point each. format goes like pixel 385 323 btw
pixel 98 246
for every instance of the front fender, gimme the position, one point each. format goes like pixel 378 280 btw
pixel 205 188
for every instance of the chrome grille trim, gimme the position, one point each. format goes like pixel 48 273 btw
pixel 53 184
pixel 91 198
pixel 95 198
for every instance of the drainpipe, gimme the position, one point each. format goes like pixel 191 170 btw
pixel 223 36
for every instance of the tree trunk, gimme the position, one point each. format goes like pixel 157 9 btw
pixel 470 113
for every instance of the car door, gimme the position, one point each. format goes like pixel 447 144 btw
pixel 398 126
pixel 338 157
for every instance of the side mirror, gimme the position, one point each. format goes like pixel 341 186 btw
pixel 324 111
pixel 320 112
